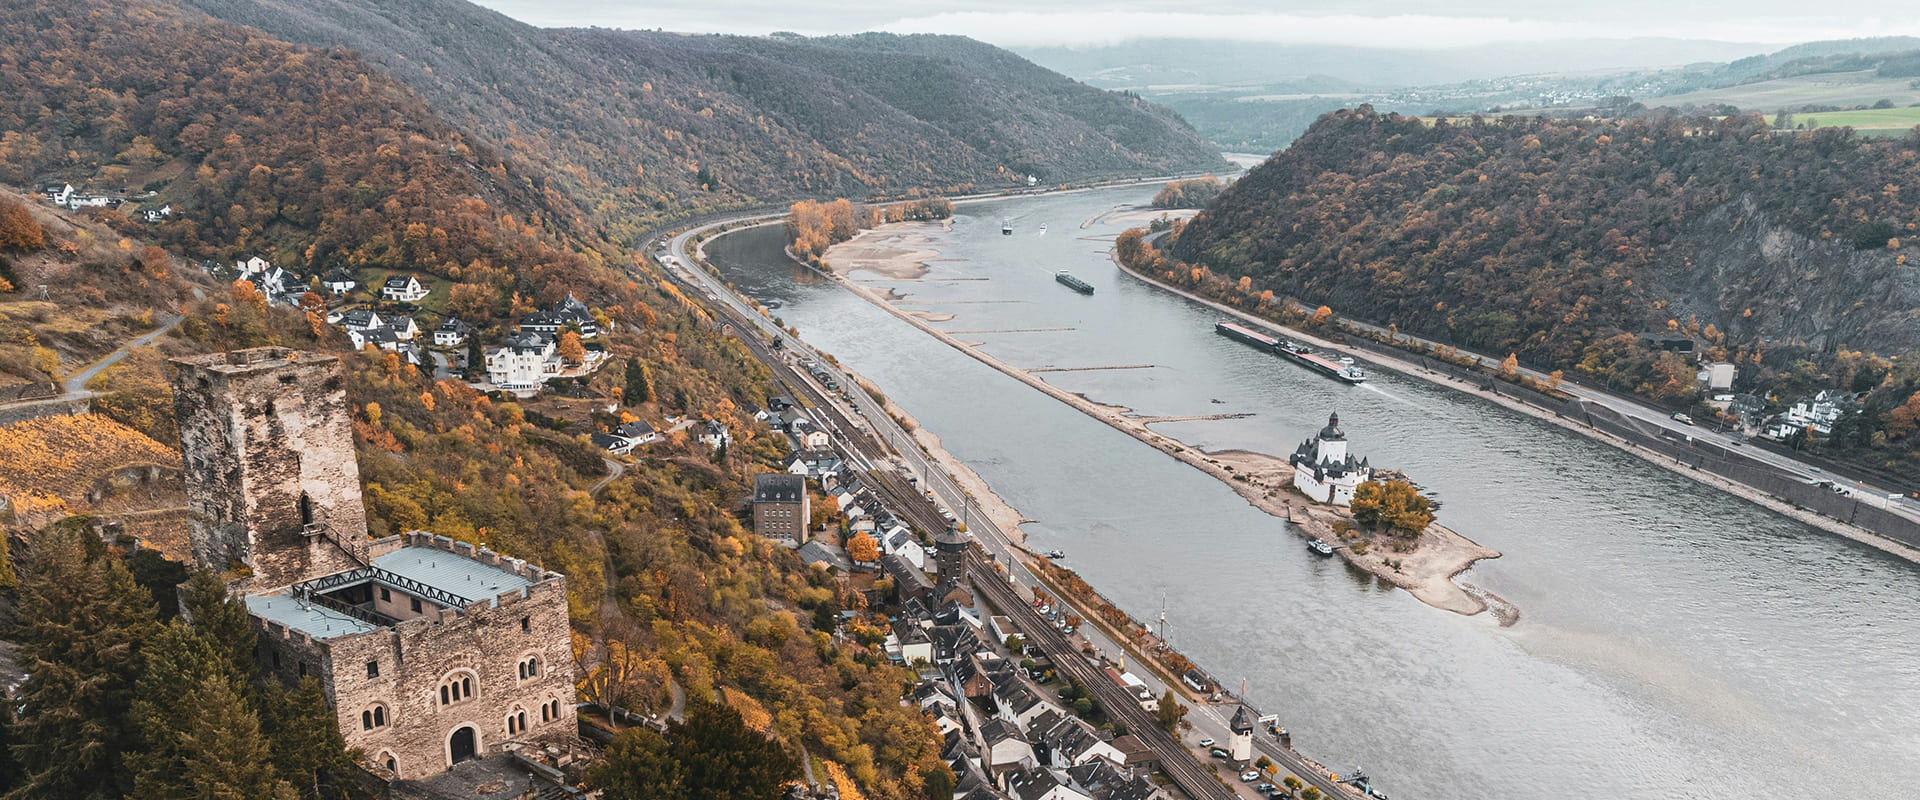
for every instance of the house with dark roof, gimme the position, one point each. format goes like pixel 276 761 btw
pixel 360 319
pixel 1039 783
pixel 639 431
pixel 1101 780
pixel 568 314
pixel 1002 746
pixel 1071 742
pixel 452 333
pixel 403 289
pixel 909 583
pixel 830 556
pixel 1019 702
pixel 611 443
pixel 338 281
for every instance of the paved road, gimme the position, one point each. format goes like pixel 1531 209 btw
pixel 75 387
pixel 874 442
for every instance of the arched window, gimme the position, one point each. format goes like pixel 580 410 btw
pixel 546 712
pixel 456 687
pixel 373 717
pixel 387 760
pixel 529 667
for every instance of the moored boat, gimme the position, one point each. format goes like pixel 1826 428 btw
pixel 1066 279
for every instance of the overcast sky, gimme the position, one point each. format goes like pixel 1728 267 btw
pixel 1387 23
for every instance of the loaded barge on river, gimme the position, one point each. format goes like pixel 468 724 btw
pixel 1066 279
pixel 1340 370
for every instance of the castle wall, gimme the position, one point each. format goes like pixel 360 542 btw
pixel 487 642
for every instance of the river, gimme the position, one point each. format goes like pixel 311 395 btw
pixel 1673 641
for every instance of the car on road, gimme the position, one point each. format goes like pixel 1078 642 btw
pixel 1682 418
pixel 1218 753
pixel 1207 742
pixel 1249 776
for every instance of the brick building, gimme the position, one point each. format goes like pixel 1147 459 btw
pixel 780 507
pixel 431 652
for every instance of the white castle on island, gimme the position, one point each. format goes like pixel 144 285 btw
pixel 1324 470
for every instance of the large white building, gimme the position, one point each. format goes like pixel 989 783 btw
pixel 1325 471
pixel 525 362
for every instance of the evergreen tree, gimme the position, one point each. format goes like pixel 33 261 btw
pixel 82 621
pixel 639 388
pixel 222 618
pixel 201 739
pixel 476 357
pixel 638 766
pixel 308 750
pixel 712 755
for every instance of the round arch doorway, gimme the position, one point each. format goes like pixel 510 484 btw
pixel 463 745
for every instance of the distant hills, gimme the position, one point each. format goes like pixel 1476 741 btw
pixel 638 123
pixel 1257 97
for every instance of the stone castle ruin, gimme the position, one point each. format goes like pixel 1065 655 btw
pixel 431 652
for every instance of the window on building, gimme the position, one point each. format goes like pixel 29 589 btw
pixel 522 717
pixel 416 604
pixel 373 669
pixel 526 624
pixel 385 595
pixel 457 688
pixel 546 712
pixel 375 717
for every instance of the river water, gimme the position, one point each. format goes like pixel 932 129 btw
pixel 1673 641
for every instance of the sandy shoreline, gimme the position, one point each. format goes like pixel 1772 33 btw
pixel 1263 480
pixel 1408 368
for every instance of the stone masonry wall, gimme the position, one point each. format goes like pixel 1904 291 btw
pixel 268 447
pixel 487 641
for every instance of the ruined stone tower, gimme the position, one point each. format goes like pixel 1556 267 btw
pixel 271 479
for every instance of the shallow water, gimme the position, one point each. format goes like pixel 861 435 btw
pixel 1673 641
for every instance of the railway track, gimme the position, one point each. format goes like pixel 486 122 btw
pixel 1179 763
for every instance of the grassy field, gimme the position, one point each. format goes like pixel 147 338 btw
pixel 1887 121
pixel 1832 89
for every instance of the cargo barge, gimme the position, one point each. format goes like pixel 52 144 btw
pixel 1341 370
pixel 1066 279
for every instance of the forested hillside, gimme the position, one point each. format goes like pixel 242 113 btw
pixel 641 122
pixel 1561 241
pixel 316 159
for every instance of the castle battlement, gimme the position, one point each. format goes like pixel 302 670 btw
pixel 432 651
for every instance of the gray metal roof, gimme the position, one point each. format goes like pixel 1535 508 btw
pixel 313 620
pixel 454 574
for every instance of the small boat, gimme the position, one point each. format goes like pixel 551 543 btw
pixel 1006 227
pixel 1320 547
pixel 1056 554
pixel 1043 227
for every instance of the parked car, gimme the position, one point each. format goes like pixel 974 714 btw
pixel 1218 753
pixel 1249 776
pixel 1207 742
pixel 1263 787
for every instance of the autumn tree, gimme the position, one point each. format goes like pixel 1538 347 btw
pixel 570 348
pixel 862 548
pixel 18 230
pixel 1510 366
pixel 1395 505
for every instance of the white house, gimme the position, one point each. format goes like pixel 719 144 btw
pixel 611 443
pixel 339 282
pixel 382 338
pixel 405 328
pixel 403 289
pixel 358 319
pixel 1325 471
pixel 638 431
pixel 1040 784
pixel 1004 747
pixel 1071 742
pixel 715 435
pixel 452 333
pixel 1818 412
pixel 157 214
pixel 251 265
pixel 524 362
pixel 59 195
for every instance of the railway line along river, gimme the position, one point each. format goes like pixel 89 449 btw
pixel 1674 642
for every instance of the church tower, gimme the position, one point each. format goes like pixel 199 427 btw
pixel 272 484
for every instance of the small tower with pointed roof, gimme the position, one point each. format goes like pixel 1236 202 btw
pixel 1324 470
pixel 1240 740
